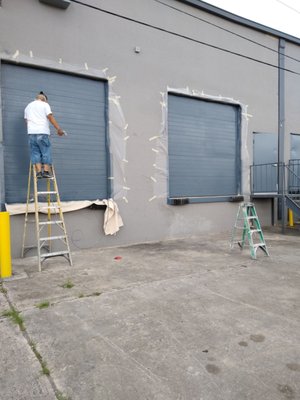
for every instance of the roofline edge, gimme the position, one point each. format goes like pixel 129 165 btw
pixel 202 5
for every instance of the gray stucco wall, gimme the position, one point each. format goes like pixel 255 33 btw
pixel 82 35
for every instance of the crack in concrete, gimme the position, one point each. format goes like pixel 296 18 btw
pixel 32 346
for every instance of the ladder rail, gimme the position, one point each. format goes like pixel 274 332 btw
pixel 61 214
pixel 26 212
pixel 36 211
pixel 49 213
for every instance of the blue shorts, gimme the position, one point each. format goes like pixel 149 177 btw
pixel 40 149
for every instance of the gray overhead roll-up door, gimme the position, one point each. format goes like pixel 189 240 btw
pixel 203 148
pixel 80 106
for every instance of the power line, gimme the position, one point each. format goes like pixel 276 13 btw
pixel 182 36
pixel 288 6
pixel 227 30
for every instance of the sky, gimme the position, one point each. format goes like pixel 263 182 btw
pixel 283 15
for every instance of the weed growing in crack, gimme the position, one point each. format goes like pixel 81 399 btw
pixel 81 295
pixel 68 284
pixel 43 304
pixel 2 289
pixel 15 316
pixel 45 369
pixel 60 396
pixel 96 294
pixel 32 345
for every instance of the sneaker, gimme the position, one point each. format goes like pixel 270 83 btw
pixel 47 174
pixel 39 175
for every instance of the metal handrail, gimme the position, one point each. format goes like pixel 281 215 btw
pixel 264 179
pixel 284 183
pixel 293 176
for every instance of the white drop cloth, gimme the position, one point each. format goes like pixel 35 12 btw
pixel 112 218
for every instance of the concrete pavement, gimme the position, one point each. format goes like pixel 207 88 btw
pixel 176 320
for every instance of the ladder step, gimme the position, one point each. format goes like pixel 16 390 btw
pixel 52 192
pixel 50 222
pixel 54 254
pixel 259 244
pixel 35 247
pixel 53 237
pixel 255 230
pixel 49 207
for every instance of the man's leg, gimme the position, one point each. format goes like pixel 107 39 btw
pixel 45 147
pixel 47 172
pixel 35 154
pixel 38 167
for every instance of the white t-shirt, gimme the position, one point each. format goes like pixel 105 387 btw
pixel 36 115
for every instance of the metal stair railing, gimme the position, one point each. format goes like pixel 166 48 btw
pixel 292 193
pixel 293 168
pixel 279 180
pixel 264 178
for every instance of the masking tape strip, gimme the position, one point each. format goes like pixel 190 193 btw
pixel 152 198
pixel 153 137
pixel 16 54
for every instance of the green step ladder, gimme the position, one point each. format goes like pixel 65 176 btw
pixel 247 221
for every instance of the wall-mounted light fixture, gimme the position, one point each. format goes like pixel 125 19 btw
pixel 56 3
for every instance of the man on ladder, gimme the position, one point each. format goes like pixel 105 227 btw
pixel 37 115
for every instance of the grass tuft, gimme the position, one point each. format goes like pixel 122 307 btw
pixel 43 304
pixel 60 396
pixel 2 289
pixel 81 295
pixel 68 284
pixel 45 369
pixel 15 316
